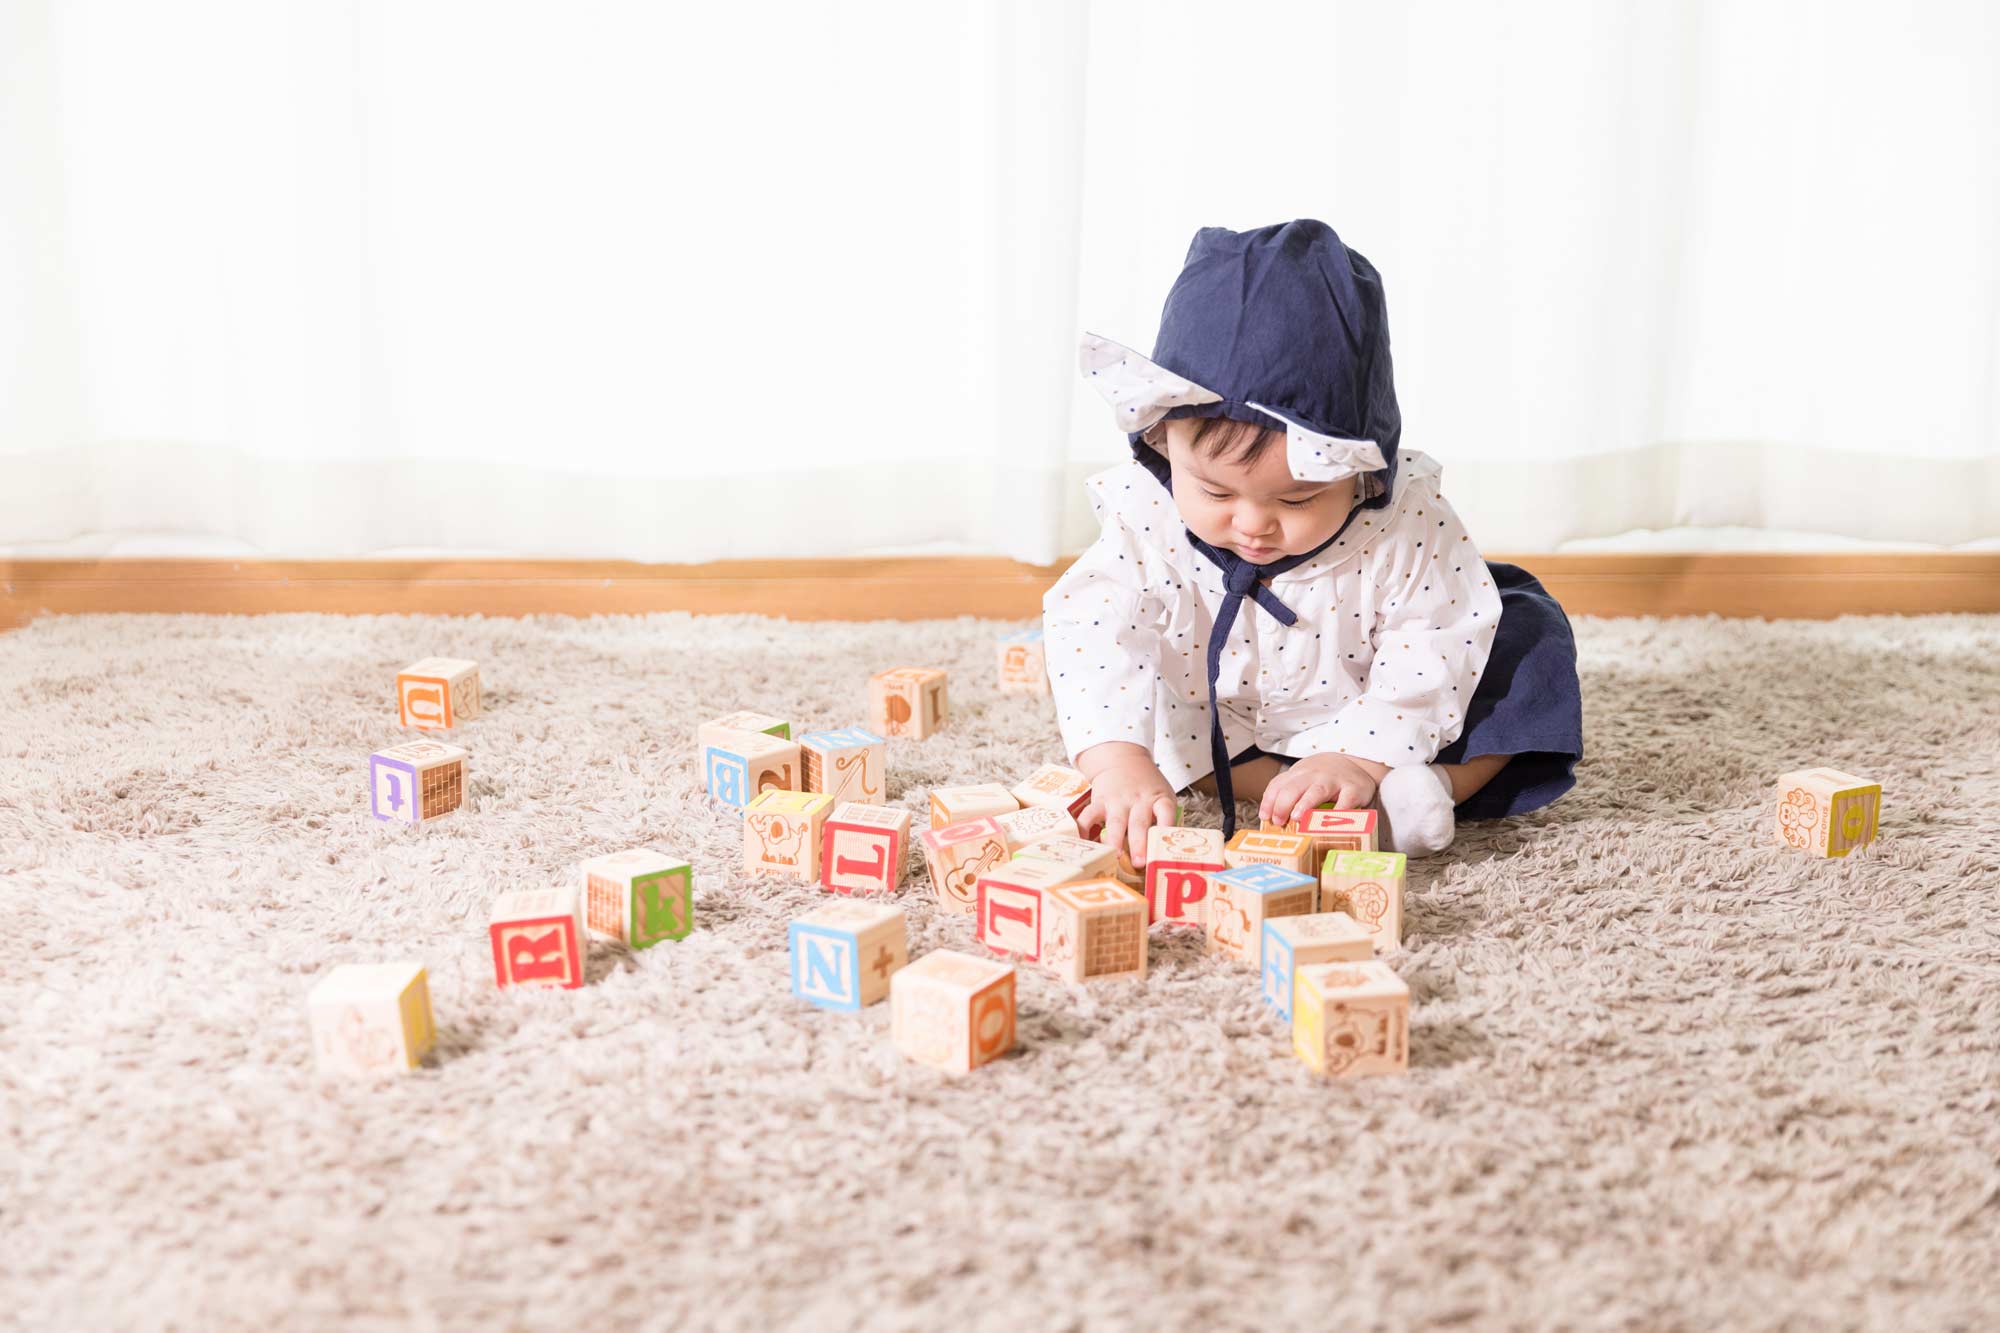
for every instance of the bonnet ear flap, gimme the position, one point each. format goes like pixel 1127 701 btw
pixel 1139 391
pixel 1316 457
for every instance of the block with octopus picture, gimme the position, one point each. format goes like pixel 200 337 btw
pixel 1368 886
pixel 1242 899
pixel 1825 812
pixel 979 800
pixel 1056 787
pixel 782 833
pixel 371 1018
pixel 1289 851
pixel 1180 862
pixel 952 1011
pixel 849 765
pixel 907 701
pixel 538 938
pixel 1024 665
pixel 437 693
pixel 417 781
pixel 637 897
pixel 1094 930
pixel 739 766
pixel 862 848
pixel 1350 1020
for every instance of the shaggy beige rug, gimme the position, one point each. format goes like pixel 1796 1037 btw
pixel 1665 1074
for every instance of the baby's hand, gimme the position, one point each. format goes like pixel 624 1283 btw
pixel 1311 783
pixel 1129 796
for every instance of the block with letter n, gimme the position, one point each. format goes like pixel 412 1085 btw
pixel 952 1011
pixel 1179 864
pixel 437 693
pixel 848 765
pixel 1242 899
pixel 1293 942
pixel 1010 915
pixel 538 938
pixel 637 897
pixel 863 848
pixel 844 953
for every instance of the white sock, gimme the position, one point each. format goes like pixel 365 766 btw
pixel 1416 807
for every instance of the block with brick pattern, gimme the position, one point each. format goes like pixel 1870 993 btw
pixel 1291 851
pixel 1368 886
pixel 1010 917
pixel 371 1018
pixel 417 781
pixel 952 1011
pixel 637 897
pixel 1242 899
pixel 862 846
pixel 1825 812
pixel 908 702
pixel 538 938
pixel 437 693
pixel 1179 864
pixel 1351 1019
pixel 844 953
pixel 783 832
pixel 1056 787
pixel 1094 930
pixel 849 765
pixel 1293 942
pixel 1333 830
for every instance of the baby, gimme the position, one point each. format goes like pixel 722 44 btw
pixel 1281 606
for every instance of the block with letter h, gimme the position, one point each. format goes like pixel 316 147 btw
pixel 1024 663
pixel 1179 864
pixel 1293 942
pixel 907 701
pixel 1056 787
pixel 417 781
pixel 1291 851
pixel 1351 1019
pixel 1094 930
pixel 1011 914
pixel 637 897
pixel 739 766
pixel 783 831
pixel 538 938
pixel 848 765
pixel 1827 812
pixel 844 953
pixel 1241 900
pixel 437 693
pixel 952 1011
pixel 1368 886
pixel 371 1018
pixel 957 855
pixel 862 848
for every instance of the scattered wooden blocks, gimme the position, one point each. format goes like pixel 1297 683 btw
pixel 862 851
pixel 1241 900
pixel 1368 886
pixel 437 693
pixel 843 954
pixel 1290 851
pixel 417 781
pixel 848 765
pixel 1179 864
pixel 739 766
pixel 783 832
pixel 1024 664
pixel 369 1018
pixel 1094 930
pixel 1293 942
pixel 1034 824
pixel 1826 812
pixel 637 897
pixel 957 855
pixel 745 719
pixel 1010 913
pixel 1056 787
pixel 1090 860
pixel 985 800
pixel 538 938
pixel 1351 1019
pixel 907 701
pixel 952 1011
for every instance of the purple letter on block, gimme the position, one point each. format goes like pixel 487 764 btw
pixel 395 787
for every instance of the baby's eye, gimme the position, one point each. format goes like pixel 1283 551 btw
pixel 1301 504
pixel 1215 495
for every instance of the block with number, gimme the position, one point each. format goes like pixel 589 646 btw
pixel 985 800
pixel 637 897
pixel 1054 786
pixel 1368 886
pixel 1241 900
pixel 1094 930
pixel 1334 830
pixel 538 938
pixel 371 1018
pixel 762 724
pixel 1351 1019
pixel 1826 812
pixel 783 832
pixel 1293 942
pixel 861 849
pixel 952 1011
pixel 1090 860
pixel 848 765
pixel 1180 862
pixel 957 855
pixel 1290 851
pixel 844 953
pixel 739 766
pixel 1034 824
pixel 437 693
pixel 1024 664
pixel 907 701
pixel 1010 916
pixel 417 781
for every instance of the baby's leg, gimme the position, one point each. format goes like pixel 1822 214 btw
pixel 1472 774
pixel 1249 778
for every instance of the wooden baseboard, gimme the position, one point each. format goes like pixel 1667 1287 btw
pixel 1768 586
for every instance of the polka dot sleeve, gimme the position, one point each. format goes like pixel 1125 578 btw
pixel 1101 626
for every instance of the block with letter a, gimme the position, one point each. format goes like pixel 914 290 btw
pixel 538 938
pixel 952 1011
pixel 1179 863
pixel 845 953
pixel 862 848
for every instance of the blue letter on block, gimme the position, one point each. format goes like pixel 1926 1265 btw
pixel 1277 972
pixel 826 967
pixel 847 738
pixel 728 775
pixel 1259 877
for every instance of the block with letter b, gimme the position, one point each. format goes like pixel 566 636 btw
pixel 1351 1019
pixel 1010 914
pixel 848 765
pixel 952 1011
pixel 1094 930
pixel 862 848
pixel 1368 886
pixel 1179 864
pixel 371 1018
pixel 1024 664
pixel 1827 812
pixel 1241 900
pixel 957 855
pixel 1292 851
pixel 637 897
pixel 843 954
pixel 538 938
pixel 437 693
pixel 417 781
pixel 907 701
pixel 1293 942
pixel 783 832
pixel 739 766
pixel 1056 787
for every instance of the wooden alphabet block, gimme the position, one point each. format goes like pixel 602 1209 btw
pixel 783 832
pixel 1368 886
pixel 843 954
pixel 1024 664
pixel 1288 851
pixel 1094 930
pixel 538 938
pixel 739 766
pixel 437 693
pixel 1351 1019
pixel 985 800
pixel 952 1011
pixel 907 701
pixel 957 855
pixel 849 765
pixel 1241 900
pixel 371 1018
pixel 1090 860
pixel 1179 864
pixel 417 781
pixel 1826 812
pixel 637 897
pixel 746 719
pixel 1293 942
pixel 1010 915
pixel 1056 787
pixel 1334 830
pixel 1034 824
pixel 862 848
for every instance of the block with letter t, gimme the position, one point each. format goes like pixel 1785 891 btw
pixel 538 938
pixel 1179 863
pixel 844 953
pixel 862 848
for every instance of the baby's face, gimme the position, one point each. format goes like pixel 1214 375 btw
pixel 1258 510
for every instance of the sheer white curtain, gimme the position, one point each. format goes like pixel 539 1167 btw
pixel 656 282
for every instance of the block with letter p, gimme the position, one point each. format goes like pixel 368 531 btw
pixel 1293 942
pixel 1368 886
pixel 952 1011
pixel 1094 930
pixel 637 897
pixel 843 954
pixel 1179 863
pixel 437 693
pixel 862 848
pixel 538 938
pixel 1010 910
pixel 1241 900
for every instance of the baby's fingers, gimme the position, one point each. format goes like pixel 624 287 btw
pixel 1315 793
